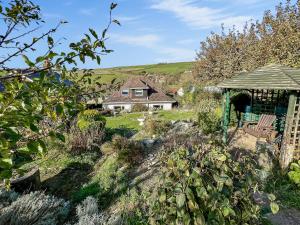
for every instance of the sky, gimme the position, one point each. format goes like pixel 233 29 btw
pixel 152 31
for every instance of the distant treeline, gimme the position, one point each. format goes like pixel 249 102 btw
pixel 275 39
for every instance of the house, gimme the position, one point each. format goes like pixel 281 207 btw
pixel 138 90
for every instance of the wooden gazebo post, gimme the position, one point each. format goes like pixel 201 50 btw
pixel 287 149
pixel 226 114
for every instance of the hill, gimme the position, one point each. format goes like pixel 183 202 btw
pixel 122 73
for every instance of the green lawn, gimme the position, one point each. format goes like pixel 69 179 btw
pixel 129 120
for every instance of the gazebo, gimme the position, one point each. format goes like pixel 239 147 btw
pixel 274 89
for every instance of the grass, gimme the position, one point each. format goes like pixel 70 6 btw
pixel 122 73
pixel 129 120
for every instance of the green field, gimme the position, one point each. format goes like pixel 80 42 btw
pixel 122 73
pixel 129 120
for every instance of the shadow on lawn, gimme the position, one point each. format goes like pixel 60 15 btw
pixel 122 131
pixel 69 180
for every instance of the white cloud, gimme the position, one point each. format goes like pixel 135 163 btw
pixel 156 44
pixel 87 12
pixel 199 17
pixel 186 41
pixel 147 40
pixel 53 16
pixel 125 18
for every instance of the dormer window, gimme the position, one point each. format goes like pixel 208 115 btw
pixel 125 92
pixel 138 92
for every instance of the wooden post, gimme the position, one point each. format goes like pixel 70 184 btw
pixel 287 149
pixel 226 114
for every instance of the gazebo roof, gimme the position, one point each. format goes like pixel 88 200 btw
pixel 270 77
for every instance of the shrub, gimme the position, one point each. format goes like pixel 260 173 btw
pixel 35 208
pixel 7 197
pixel 156 127
pixel 294 173
pixel 205 187
pixel 210 122
pixel 89 140
pixel 88 213
pixel 128 151
pixel 90 118
pixel 139 108
pixel 88 133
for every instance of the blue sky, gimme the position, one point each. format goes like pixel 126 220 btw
pixel 152 31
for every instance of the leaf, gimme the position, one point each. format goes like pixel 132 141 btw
pixel 180 200
pixel 27 61
pixel 6 163
pixel 93 33
pixel 221 157
pixel 113 5
pixel 50 41
pixel 59 109
pixel 60 137
pixel 34 128
pixel 274 207
pixel 271 197
pixel 116 22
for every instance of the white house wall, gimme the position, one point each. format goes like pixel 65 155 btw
pixel 128 107
pixel 166 106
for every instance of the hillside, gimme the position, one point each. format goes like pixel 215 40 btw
pixel 122 73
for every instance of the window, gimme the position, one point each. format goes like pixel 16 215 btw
pixel 138 92
pixel 158 107
pixel 125 92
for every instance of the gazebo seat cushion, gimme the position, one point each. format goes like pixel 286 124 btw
pixel 263 128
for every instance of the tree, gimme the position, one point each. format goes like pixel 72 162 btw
pixel 29 101
pixel 276 39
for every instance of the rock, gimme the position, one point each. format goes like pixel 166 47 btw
pixel 148 143
pixel 265 159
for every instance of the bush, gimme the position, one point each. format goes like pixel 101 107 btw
pixel 205 187
pixel 156 127
pixel 128 151
pixel 90 118
pixel 209 122
pixel 139 108
pixel 88 133
pixel 7 197
pixel 88 213
pixel 88 140
pixel 35 208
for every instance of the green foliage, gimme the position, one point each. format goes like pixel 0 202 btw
pixel 139 108
pixel 210 122
pixel 28 101
pixel 273 39
pixel 155 126
pixel 294 173
pixel 205 187
pixel 90 118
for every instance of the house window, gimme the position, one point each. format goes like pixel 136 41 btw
pixel 119 108
pixel 138 92
pixel 125 92
pixel 158 107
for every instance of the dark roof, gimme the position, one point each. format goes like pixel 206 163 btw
pixel 271 77
pixel 155 93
